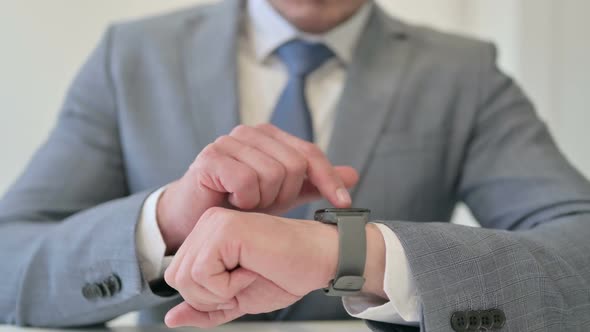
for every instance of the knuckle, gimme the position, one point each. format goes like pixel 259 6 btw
pixel 247 150
pixel 266 126
pixel 310 149
pixel 198 275
pixel 298 166
pixel 169 277
pixel 221 217
pixel 232 146
pixel 240 130
pixel 276 174
pixel 214 212
pixel 246 179
pixel 182 280
pixel 195 172
pixel 210 151
pixel 223 140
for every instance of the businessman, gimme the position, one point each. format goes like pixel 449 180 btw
pixel 193 148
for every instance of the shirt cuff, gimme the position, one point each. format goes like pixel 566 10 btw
pixel 403 306
pixel 150 244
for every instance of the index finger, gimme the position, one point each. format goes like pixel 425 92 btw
pixel 320 171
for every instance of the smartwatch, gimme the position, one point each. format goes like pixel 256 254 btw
pixel 352 251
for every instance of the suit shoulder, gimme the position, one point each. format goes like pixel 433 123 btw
pixel 159 28
pixel 449 46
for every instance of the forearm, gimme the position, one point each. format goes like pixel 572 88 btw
pixel 48 264
pixel 178 209
pixel 458 268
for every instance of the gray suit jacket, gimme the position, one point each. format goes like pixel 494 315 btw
pixel 426 118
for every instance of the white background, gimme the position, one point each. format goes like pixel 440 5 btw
pixel 543 43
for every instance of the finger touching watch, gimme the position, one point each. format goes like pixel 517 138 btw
pixel 352 243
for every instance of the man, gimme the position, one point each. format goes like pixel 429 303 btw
pixel 418 119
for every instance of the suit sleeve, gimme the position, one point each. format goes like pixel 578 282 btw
pixel 531 258
pixel 67 225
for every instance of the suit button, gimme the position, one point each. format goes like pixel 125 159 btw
pixel 459 321
pixel 92 291
pixel 498 318
pixel 487 319
pixel 106 292
pixel 113 284
pixel 473 320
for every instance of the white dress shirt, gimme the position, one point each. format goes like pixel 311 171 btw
pixel 263 31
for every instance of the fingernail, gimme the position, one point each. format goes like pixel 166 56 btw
pixel 343 196
pixel 226 306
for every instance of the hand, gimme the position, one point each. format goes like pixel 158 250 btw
pixel 253 168
pixel 235 263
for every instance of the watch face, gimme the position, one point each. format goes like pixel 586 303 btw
pixel 330 215
pixel 344 211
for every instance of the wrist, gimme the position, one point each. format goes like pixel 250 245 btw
pixel 375 262
pixel 324 250
pixel 170 234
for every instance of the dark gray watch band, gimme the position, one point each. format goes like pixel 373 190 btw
pixel 352 251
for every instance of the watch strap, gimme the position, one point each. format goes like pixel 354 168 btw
pixel 352 254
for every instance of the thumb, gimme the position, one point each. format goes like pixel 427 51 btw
pixel 181 315
pixel 347 174
pixel 185 315
pixel 228 284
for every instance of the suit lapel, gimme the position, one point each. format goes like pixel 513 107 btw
pixel 210 60
pixel 374 78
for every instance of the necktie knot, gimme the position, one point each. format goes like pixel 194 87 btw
pixel 301 57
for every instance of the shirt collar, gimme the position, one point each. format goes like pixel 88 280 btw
pixel 267 30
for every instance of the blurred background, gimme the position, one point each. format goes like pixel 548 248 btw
pixel 544 44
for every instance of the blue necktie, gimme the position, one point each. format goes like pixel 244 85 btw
pixel 292 112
